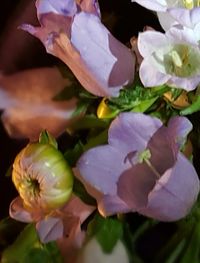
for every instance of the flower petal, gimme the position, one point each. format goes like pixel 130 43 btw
pixel 27 111
pixel 178 128
pixel 187 84
pixel 150 41
pixel 150 75
pixel 128 126
pixel 135 184
pixel 154 5
pixel 101 168
pixel 101 63
pixel 186 17
pixel 175 193
pixel 50 229
pixel 18 212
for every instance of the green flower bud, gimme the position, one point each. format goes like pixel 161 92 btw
pixel 42 177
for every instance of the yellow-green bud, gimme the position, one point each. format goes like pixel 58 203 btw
pixel 42 177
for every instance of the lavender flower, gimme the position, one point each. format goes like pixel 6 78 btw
pixel 170 13
pixel 172 58
pixel 72 31
pixel 141 169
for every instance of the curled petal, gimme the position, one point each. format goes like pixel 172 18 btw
pixel 18 212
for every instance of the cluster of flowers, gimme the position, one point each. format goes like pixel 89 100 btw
pixel 142 168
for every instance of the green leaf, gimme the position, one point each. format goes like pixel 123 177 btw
pixel 72 155
pixel 194 107
pixel 67 93
pixel 37 255
pixel 9 229
pixel 26 241
pixel 47 138
pixel 107 231
pixel 80 191
pixel 54 252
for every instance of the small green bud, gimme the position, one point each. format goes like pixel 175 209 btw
pixel 42 177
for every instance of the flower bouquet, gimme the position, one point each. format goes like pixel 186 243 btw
pixel 109 173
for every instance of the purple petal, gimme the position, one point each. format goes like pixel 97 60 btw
pixel 163 150
pixel 110 205
pixel 18 212
pixel 110 62
pixel 187 84
pixel 186 17
pixel 66 8
pixel 49 229
pixel 101 168
pixel 175 193
pixel 125 131
pixel 135 184
pixel 178 129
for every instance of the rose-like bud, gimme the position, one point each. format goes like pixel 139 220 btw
pixel 42 177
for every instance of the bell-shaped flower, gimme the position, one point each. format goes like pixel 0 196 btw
pixel 72 31
pixel 142 169
pixel 172 58
pixel 26 99
pixel 170 13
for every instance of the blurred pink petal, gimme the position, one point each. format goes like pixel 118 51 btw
pixel 26 99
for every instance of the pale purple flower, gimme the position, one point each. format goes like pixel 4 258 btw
pixel 172 58
pixel 171 12
pixel 141 168
pixel 26 99
pixel 72 31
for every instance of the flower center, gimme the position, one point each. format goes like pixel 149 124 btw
pixel 142 157
pixel 182 61
pixel 190 4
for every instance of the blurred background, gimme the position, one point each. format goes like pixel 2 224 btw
pixel 19 50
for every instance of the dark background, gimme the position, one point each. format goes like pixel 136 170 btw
pixel 19 50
